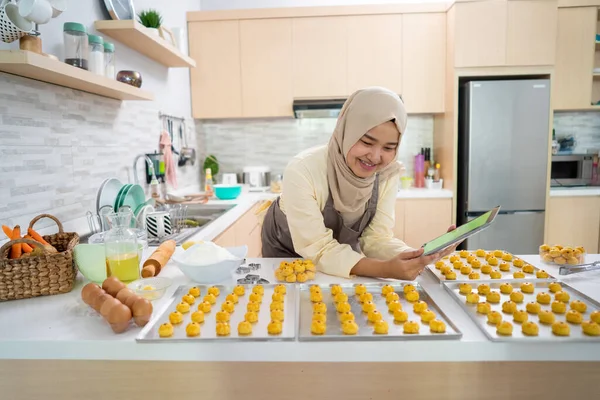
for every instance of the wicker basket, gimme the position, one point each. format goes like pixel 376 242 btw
pixel 43 275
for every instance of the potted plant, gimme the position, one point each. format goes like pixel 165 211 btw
pixel 151 19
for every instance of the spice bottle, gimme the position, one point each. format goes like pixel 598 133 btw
pixel 96 56
pixel 109 60
pixel 75 40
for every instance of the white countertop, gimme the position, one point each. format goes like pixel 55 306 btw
pixel 63 327
pixel 574 191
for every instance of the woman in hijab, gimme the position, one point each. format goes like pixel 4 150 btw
pixel 338 200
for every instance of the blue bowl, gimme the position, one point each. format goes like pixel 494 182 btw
pixel 228 192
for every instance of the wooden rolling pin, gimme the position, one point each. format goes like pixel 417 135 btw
pixel 158 259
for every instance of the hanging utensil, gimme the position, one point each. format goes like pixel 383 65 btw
pixel 188 154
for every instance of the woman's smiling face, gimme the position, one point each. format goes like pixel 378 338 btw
pixel 374 151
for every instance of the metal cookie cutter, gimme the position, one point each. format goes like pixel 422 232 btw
pixel 575 269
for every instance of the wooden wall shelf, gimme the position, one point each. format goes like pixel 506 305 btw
pixel 42 68
pixel 137 37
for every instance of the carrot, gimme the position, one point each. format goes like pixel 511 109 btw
pixel 36 236
pixel 26 248
pixel 7 231
pixel 15 250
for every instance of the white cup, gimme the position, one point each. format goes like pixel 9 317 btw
pixel 58 7
pixel 38 11
pixel 158 224
pixel 230 179
pixel 12 25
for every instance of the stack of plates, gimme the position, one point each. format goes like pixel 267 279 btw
pixel 116 195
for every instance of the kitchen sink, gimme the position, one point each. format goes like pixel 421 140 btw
pixel 207 211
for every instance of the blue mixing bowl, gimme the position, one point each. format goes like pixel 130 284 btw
pixel 228 192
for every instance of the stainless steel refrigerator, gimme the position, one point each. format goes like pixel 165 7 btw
pixel 503 160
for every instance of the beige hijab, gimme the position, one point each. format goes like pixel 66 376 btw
pixel 364 110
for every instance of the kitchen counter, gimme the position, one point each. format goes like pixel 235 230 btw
pixel 574 191
pixel 416 193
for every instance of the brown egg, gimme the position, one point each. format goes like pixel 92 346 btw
pixel 118 317
pixel 99 300
pixel 90 292
pixel 112 286
pixel 131 300
pixel 109 303
pixel 124 294
pixel 142 311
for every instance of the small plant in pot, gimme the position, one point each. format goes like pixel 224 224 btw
pixel 151 19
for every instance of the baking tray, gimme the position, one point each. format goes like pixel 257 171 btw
pixel 545 331
pixel 505 274
pixel 208 327
pixel 334 332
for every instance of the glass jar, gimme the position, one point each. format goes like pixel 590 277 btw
pixel 121 248
pixel 109 60
pixel 75 40
pixel 96 56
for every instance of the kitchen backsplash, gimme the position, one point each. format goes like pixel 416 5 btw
pixel 584 126
pixel 272 143
pixel 57 145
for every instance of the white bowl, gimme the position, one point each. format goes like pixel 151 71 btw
pixel 213 273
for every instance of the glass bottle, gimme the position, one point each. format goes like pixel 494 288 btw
pixel 121 248
pixel 208 183
pixel 96 55
pixel 76 44
pixel 109 60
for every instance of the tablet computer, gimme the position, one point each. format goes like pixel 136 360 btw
pixel 461 233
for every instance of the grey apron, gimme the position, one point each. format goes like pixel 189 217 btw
pixel 277 240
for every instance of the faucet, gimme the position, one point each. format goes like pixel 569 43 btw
pixel 150 168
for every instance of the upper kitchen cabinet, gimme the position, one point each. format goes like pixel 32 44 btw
pixel 573 71
pixel 216 81
pixel 320 57
pixel 375 51
pixel 424 62
pixel 266 58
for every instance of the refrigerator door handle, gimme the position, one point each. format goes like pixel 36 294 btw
pixel 504 212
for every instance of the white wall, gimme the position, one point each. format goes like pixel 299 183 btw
pixel 208 5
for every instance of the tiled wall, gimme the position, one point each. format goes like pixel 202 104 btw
pixel 57 145
pixel 273 142
pixel 584 126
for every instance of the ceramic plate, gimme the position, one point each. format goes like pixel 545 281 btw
pixel 107 193
pixel 133 197
pixel 119 199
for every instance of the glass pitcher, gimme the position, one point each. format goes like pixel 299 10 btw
pixel 121 247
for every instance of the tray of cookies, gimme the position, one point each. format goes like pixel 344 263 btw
pixel 525 310
pixel 484 265
pixel 372 311
pixel 225 312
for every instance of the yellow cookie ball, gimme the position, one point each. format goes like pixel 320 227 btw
pixel 574 317
pixel 276 305
pixel 559 307
pixel 205 307
pixel 320 307
pixel 437 326
pixel 222 316
pixel 412 296
pixel 279 276
pixel 183 307
pixel 232 298
pixel 474 276
pixel 253 306
pixel 310 267
pixel 275 327
pixel 310 275
pixel 239 290
pixel 343 307
pixel 381 327
pixel 411 327
pixel 366 297
pixel 465 270
pixel 509 307
pixel 473 298
pixel 318 316
pixel 427 316
pixel 316 297
pixel 176 317
pixel 301 277
pixel 520 316
pixel 360 289
pixel 394 305
pixel 228 306
pixel 527 287
pixel 483 289
pixel 480 253
pixel 595 316
pixel 341 298
pixel 543 298
pixel 517 262
pixel 493 297
pixel 400 316
pixel 198 317
pixel 258 289
pixel 507 257
pixel 279 289
pixel 277 315
pixel 533 308
pixel 445 269
pixel 579 306
pixel 349 327
pixel 454 258
pixel 590 328
pixel 504 266
pixel 368 306
pixel 214 291
pixel 188 298
pixel 385 289
pixel 496 274
pixel 192 330
pixel 476 264
pixel 318 328
pixel 546 317
pixel 347 316
pixel 374 316
pixel 336 289
pixel 278 297
pixel 439 264
pixel 408 288
pixel 560 328
pixel 484 307
pixel 544 247
pixel 504 328
pixel 530 328
pixel 562 296
pixel 299 268
pixel 498 253
pixel 464 288
pixel 506 288
pixel 554 287
pixel 210 298
pixel 256 297
pixel 457 265
pixel 393 296
pixel 518 275
pixel 451 276
pixel 287 271
pixel 194 291
pixel 251 317
pixel 493 261
pixel 464 254
pixel 244 328
pixel 528 269
pixel 541 274
pixel 517 296
pixel 223 329
pixel 486 269
pixel 471 258
pixel 419 307
pixel 165 330
pixel 291 278
pixel 494 317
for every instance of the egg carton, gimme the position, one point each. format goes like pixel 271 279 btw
pixel 208 327
pixel 545 331
pixel 366 330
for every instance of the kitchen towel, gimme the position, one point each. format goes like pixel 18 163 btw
pixel 165 148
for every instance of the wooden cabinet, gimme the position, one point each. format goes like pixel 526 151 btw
pixel 266 63
pixel 531 32
pixel 246 231
pixel 574 221
pixel 572 80
pixel 320 60
pixel 216 81
pixel 399 216
pixel 420 220
pixel 374 51
pixel 424 62
pixel 227 238
pixel 480 33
